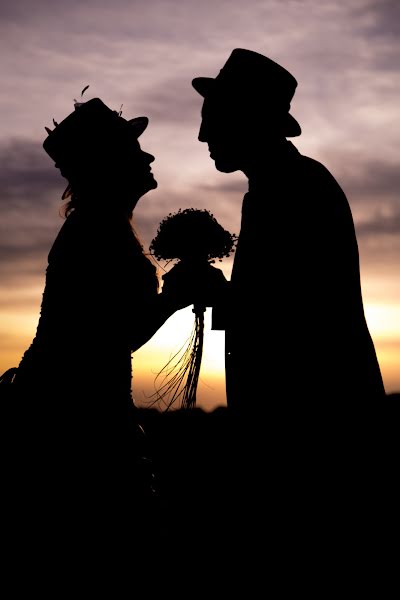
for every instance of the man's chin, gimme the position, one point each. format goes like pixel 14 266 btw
pixel 155 185
pixel 226 166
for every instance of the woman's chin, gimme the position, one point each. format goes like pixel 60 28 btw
pixel 149 185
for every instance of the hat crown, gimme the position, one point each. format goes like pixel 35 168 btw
pixel 91 127
pixel 253 80
pixel 253 70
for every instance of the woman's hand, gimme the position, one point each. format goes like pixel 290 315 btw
pixel 184 285
pixel 194 283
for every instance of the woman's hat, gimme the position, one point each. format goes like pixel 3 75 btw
pixel 251 76
pixel 90 130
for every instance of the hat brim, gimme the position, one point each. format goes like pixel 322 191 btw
pixel 138 125
pixel 205 85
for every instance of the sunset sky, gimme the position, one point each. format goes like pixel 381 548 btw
pixel 143 54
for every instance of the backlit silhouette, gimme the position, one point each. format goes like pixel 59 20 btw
pixel 293 313
pixel 80 445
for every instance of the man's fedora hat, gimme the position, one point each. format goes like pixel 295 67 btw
pixel 248 74
pixel 91 129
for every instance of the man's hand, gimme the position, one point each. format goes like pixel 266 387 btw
pixel 194 283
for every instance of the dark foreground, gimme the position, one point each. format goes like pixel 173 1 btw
pixel 317 492
pixel 289 499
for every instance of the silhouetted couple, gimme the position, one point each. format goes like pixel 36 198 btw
pixel 295 330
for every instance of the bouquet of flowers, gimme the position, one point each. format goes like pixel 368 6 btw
pixel 194 236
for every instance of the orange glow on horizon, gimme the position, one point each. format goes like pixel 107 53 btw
pixel 18 325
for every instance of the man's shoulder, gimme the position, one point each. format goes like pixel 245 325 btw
pixel 314 169
pixel 314 165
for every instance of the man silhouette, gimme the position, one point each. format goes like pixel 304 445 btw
pixel 295 330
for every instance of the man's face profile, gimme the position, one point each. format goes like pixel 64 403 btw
pixel 221 129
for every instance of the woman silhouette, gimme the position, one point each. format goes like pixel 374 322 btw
pixel 77 425
pixel 101 299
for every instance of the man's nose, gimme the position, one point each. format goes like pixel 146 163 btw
pixel 203 137
pixel 149 158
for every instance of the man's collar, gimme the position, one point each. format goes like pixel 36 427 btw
pixel 271 160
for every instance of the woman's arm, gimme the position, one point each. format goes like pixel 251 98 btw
pixel 182 286
pixel 156 313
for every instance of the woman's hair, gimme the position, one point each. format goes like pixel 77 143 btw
pixel 71 193
pixel 75 201
pixel 85 183
pixel 70 205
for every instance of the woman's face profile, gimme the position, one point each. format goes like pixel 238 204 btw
pixel 134 170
